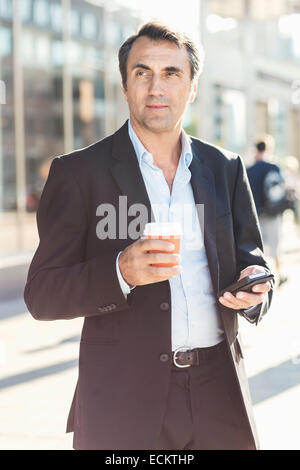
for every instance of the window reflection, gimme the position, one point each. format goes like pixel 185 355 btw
pixel 57 53
pixel 86 57
pixel 5 41
pixel 49 63
pixel 74 22
pixel 56 16
pixel 7 137
pixel 41 13
pixel 43 50
pixel 25 10
pixel 89 26
pixel 42 55
pixel 6 9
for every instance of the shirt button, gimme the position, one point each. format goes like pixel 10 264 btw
pixel 164 306
pixel 163 357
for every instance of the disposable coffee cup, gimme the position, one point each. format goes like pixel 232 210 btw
pixel 167 231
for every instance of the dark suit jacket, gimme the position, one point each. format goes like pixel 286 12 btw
pixel 123 378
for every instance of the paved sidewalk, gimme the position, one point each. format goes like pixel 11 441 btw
pixel 38 362
pixel 272 358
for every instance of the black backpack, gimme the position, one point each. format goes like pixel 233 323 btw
pixel 276 198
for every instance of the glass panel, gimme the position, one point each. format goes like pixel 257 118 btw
pixel 86 56
pixel 234 120
pixel 6 9
pixel 43 56
pixel 56 16
pixel 88 99
pixel 75 22
pixel 25 10
pixel 41 13
pixel 229 118
pixel 7 136
pixel 89 26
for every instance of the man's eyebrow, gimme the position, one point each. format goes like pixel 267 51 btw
pixel 141 66
pixel 170 68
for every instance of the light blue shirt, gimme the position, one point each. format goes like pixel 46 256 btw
pixel 195 319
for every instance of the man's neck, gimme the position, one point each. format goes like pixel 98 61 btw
pixel 259 157
pixel 165 147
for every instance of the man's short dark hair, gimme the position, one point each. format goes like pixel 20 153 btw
pixel 161 32
pixel 261 146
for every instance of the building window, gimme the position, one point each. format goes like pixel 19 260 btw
pixel 6 9
pixel 5 41
pixel 56 17
pixel 89 26
pixel 41 13
pixel 74 23
pixel 25 10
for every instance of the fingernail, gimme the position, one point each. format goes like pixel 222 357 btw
pixel 240 296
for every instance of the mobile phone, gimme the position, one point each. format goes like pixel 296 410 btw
pixel 247 283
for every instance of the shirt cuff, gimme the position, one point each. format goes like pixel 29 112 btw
pixel 126 289
pixel 249 309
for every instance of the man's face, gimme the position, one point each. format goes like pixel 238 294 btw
pixel 159 84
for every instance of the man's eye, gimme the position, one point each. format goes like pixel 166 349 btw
pixel 171 74
pixel 141 73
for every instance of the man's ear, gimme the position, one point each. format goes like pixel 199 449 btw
pixel 193 91
pixel 124 92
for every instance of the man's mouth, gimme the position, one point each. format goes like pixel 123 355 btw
pixel 156 106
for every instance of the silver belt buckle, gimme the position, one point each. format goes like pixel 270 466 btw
pixel 183 349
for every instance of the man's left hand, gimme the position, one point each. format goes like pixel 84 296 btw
pixel 242 300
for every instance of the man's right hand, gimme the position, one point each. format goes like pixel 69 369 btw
pixel 135 262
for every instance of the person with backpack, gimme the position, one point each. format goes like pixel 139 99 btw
pixel 271 199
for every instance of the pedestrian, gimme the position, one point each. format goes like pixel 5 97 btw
pixel 292 183
pixel 160 364
pixel 269 192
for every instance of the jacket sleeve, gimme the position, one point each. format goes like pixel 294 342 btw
pixel 248 238
pixel 61 283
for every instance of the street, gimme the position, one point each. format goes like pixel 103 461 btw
pixel 39 369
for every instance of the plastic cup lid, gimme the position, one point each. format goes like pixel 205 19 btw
pixel 163 229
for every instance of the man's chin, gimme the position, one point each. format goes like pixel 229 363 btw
pixel 157 124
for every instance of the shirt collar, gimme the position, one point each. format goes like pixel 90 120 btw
pixel 141 152
pixel 186 148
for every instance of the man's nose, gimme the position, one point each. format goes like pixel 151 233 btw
pixel 155 86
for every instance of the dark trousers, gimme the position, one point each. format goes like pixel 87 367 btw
pixel 204 410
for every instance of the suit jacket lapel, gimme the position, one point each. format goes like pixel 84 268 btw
pixel 203 184
pixel 127 174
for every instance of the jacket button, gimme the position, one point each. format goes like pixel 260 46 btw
pixel 164 357
pixel 164 306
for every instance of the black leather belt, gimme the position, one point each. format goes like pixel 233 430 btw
pixel 185 357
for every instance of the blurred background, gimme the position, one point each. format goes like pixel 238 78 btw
pixel 60 90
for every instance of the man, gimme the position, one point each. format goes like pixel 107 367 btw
pixel 265 178
pixel 160 363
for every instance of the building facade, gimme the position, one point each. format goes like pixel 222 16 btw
pixel 59 89
pixel 251 77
